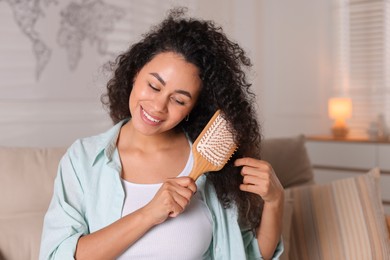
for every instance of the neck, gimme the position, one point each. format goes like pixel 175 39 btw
pixel 129 137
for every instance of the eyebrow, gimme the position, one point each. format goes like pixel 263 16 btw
pixel 154 74
pixel 179 91
pixel 183 92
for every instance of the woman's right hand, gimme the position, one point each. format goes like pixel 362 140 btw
pixel 109 242
pixel 170 200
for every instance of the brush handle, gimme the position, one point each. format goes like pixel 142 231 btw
pixel 200 167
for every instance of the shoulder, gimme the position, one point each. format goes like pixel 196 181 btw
pixel 86 147
pixel 89 148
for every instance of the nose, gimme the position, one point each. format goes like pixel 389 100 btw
pixel 160 103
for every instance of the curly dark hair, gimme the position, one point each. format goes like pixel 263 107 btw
pixel 221 63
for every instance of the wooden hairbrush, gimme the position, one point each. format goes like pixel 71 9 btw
pixel 213 147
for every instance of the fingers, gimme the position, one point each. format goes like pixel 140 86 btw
pixel 250 179
pixel 247 161
pixel 255 184
pixel 259 178
pixel 185 182
pixel 178 193
pixel 252 166
pixel 251 188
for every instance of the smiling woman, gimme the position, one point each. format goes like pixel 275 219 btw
pixel 164 92
pixel 126 193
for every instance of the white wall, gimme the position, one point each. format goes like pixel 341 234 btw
pixel 289 43
pixel 296 57
pixel 291 46
pixel 62 102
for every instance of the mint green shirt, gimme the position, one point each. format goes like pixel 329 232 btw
pixel 88 196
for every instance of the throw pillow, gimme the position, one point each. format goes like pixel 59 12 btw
pixel 340 220
pixel 287 216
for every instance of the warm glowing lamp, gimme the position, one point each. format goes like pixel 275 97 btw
pixel 340 109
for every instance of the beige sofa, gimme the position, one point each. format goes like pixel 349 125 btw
pixel 26 182
pixel 340 220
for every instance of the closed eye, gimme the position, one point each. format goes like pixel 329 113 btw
pixel 179 102
pixel 153 87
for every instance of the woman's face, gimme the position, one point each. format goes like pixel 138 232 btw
pixel 164 93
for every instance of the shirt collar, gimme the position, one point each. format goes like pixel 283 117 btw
pixel 106 144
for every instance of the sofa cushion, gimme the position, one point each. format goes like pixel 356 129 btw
pixel 340 220
pixel 26 184
pixel 289 159
pixel 21 236
pixel 286 228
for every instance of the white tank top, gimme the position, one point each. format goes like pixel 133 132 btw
pixel 186 236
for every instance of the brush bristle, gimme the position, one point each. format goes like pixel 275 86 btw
pixel 217 145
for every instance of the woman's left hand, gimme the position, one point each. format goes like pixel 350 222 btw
pixel 260 178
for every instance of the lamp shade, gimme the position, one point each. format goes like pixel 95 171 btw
pixel 339 108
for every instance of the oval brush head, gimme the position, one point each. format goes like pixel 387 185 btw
pixel 213 147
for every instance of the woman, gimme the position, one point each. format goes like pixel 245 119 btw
pixel 125 194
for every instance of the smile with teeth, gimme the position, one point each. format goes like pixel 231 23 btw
pixel 150 117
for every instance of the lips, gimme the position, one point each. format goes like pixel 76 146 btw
pixel 149 117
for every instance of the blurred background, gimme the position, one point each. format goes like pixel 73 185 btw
pixel 321 75
pixel 52 57
pixel 305 53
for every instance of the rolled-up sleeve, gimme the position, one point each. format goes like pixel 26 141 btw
pixel 64 221
pixel 279 249
pixel 252 246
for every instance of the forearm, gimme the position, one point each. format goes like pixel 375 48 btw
pixel 113 240
pixel 269 232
